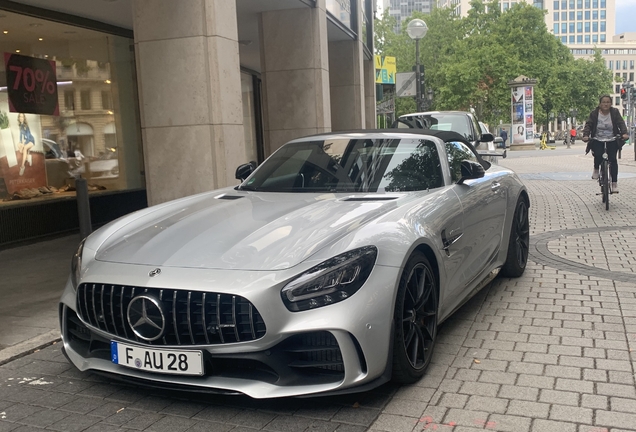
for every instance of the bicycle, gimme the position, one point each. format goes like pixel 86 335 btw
pixel 604 177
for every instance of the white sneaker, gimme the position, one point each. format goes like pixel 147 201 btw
pixel 595 174
pixel 614 187
pixel 21 170
pixel 30 159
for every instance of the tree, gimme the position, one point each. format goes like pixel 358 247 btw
pixel 469 61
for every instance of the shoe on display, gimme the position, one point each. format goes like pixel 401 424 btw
pixel 614 187
pixel 595 174
pixel 22 170
pixel 30 159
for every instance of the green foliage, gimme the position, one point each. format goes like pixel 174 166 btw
pixel 469 61
pixel 4 120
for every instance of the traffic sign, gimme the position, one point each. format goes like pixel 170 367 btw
pixel 405 84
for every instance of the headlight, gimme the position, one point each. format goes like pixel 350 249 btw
pixel 331 281
pixel 76 265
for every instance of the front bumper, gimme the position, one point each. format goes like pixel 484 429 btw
pixel 337 348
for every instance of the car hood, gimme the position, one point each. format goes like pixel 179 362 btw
pixel 242 231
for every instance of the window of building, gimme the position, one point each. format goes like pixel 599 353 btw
pixel 579 39
pixel 618 65
pixel 572 16
pixel 624 76
pixel 579 15
pixel 587 4
pixel 625 64
pixel 587 15
pixel 571 4
pixel 610 65
pixel 603 6
pixel 556 28
pixel 107 100
pixel 506 6
pixel 556 4
pixel 617 101
pixel 631 64
pixel 603 37
pixel 617 88
pixel 587 39
pixel 564 28
pixel 564 16
pixel 571 39
pixel 631 76
pixel 85 97
pixel 602 26
pixel 595 27
pixel 594 14
pixel 587 27
pixel 595 4
pixel 69 99
pixel 579 4
pixel 564 4
pixel 594 38
pixel 579 27
pixel 556 16
pixel 572 28
pixel 602 14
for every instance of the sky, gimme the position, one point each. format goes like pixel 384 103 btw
pixel 625 16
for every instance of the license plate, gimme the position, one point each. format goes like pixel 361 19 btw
pixel 157 360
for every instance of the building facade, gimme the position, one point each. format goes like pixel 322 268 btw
pixel 164 99
pixel 402 9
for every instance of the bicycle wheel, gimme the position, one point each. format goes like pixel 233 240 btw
pixel 606 183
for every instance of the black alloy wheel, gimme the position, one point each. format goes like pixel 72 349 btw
pixel 415 320
pixel 519 243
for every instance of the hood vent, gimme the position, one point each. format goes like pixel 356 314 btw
pixel 228 197
pixel 371 198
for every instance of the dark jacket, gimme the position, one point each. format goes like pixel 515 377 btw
pixel 617 121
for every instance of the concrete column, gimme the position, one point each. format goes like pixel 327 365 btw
pixel 371 120
pixel 346 78
pixel 190 95
pixel 295 74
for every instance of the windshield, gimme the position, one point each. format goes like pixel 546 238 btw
pixel 344 165
pixel 459 123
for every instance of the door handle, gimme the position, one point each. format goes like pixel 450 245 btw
pixel 495 186
pixel 455 234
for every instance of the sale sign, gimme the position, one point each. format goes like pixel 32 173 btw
pixel 31 85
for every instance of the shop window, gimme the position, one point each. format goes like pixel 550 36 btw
pixel 85 96
pixel 69 100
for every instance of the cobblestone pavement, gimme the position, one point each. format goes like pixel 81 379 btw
pixel 550 351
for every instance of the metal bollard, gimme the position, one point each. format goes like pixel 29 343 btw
pixel 83 207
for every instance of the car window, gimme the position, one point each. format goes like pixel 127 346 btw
pixel 458 152
pixel 456 122
pixel 357 165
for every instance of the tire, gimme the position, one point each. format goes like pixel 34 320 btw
pixel 415 320
pixel 606 184
pixel 519 242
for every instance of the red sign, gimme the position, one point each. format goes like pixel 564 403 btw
pixel 31 85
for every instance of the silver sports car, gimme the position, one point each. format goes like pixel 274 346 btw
pixel 327 270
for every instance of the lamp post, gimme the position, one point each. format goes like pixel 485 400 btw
pixel 416 30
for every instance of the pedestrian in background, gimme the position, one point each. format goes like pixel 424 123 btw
pixel 504 137
pixel 572 135
pixel 602 125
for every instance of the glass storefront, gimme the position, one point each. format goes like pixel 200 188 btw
pixel 97 132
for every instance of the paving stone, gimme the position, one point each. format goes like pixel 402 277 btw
pixel 552 426
pixel 528 409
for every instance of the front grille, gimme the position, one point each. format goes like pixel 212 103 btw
pixel 191 317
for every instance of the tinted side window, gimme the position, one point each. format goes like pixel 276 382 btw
pixel 458 152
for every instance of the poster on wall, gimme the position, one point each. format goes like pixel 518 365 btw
pixel 522 115
pixel 22 162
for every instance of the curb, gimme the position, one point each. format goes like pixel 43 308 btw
pixel 27 347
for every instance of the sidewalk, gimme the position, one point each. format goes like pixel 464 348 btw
pixel 33 278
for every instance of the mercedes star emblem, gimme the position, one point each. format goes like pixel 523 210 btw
pixel 154 272
pixel 146 317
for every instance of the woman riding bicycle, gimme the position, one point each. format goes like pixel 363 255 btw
pixel 603 125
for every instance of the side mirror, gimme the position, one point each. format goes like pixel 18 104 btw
pixel 487 137
pixel 498 140
pixel 470 170
pixel 244 171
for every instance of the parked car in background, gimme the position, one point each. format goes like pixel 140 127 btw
pixel 327 270
pixel 463 122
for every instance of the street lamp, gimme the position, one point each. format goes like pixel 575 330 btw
pixel 416 29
